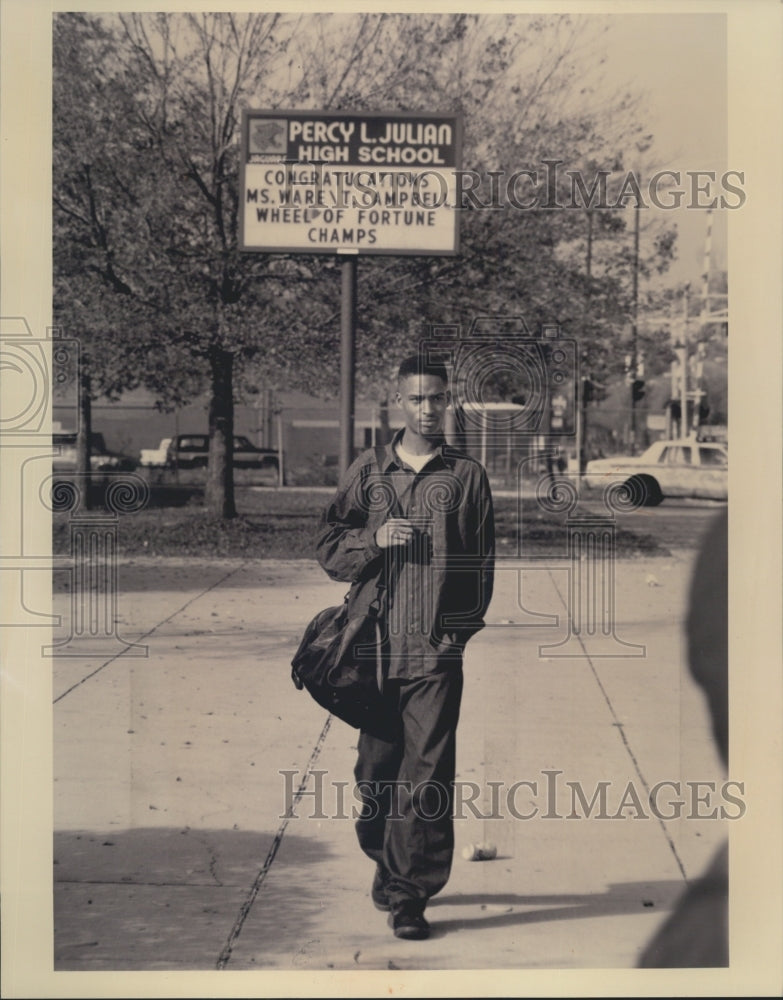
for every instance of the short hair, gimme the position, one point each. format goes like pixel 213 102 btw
pixel 417 364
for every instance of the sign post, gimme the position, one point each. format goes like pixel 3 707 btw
pixel 324 182
pixel 347 361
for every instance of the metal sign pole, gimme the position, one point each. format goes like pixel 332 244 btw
pixel 347 361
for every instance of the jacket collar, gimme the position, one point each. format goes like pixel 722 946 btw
pixel 391 459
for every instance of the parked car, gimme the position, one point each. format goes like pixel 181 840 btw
pixel 101 458
pixel 687 468
pixel 156 456
pixel 191 451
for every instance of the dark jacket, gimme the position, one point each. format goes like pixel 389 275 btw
pixel 440 586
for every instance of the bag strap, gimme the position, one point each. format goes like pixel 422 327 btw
pixel 378 603
pixel 384 581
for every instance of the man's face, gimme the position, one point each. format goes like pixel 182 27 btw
pixel 423 400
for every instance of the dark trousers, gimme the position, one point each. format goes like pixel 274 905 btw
pixel 406 785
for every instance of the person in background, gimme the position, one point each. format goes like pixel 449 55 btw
pixel 696 933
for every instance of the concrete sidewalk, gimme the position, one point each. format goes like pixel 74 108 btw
pixel 173 773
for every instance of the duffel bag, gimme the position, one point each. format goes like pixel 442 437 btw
pixel 339 662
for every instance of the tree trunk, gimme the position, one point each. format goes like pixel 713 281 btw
pixel 220 473
pixel 83 442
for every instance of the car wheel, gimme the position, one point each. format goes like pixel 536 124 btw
pixel 647 489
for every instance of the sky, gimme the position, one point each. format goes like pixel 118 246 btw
pixel 679 62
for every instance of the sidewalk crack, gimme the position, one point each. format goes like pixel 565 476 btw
pixel 154 628
pixel 618 725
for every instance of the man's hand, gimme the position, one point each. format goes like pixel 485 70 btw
pixel 395 531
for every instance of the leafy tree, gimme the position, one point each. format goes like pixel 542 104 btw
pixel 146 192
pixel 147 201
pixel 91 299
pixel 520 86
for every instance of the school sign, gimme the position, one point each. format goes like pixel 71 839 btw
pixel 331 182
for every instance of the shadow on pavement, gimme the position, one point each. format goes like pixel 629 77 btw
pixel 167 898
pixel 620 898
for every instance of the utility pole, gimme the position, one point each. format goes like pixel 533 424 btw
pixel 703 321
pixel 635 324
pixel 641 147
pixel 684 368
pixel 580 394
pixel 705 278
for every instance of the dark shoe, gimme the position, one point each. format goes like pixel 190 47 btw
pixel 378 892
pixel 407 921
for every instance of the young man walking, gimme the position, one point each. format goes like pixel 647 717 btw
pixel 420 518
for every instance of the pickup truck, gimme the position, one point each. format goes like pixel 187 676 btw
pixel 191 451
pixel 156 457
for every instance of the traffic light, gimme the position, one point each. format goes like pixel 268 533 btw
pixel 637 390
pixel 592 391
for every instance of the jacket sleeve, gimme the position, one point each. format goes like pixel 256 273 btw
pixel 481 541
pixel 470 591
pixel 345 546
pixel 485 541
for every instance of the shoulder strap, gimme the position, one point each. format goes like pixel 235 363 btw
pixel 384 580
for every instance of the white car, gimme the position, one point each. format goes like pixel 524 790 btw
pixel 687 468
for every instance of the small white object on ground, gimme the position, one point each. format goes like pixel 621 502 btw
pixel 480 852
